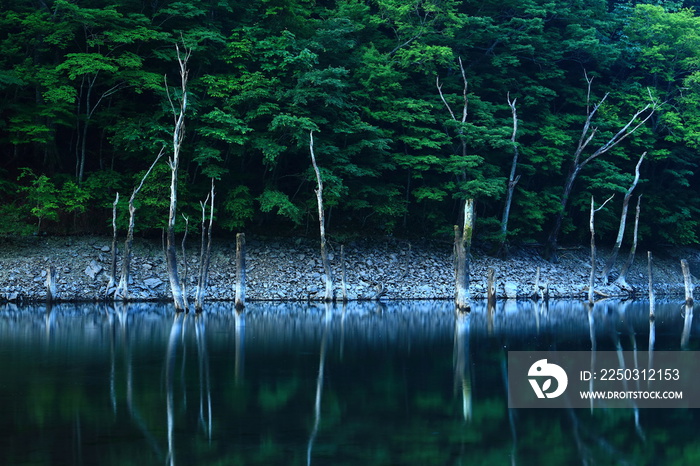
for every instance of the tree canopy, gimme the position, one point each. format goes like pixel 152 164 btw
pixel 85 110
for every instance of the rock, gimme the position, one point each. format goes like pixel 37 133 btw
pixel 105 249
pixel 152 283
pixel 93 269
pixel 511 290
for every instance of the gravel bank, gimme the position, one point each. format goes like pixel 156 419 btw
pixel 290 269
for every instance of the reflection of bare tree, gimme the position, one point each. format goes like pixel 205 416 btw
pixel 240 344
pixel 511 413
pixel 687 323
pixel 461 362
pixel 121 311
pixel 204 380
pixel 170 356
pixel 319 383
pixel 591 334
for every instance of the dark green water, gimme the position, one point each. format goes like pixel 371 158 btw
pixel 368 384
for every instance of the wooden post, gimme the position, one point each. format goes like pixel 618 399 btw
pixel 688 283
pixel 322 224
pixel 240 271
pixel 51 294
pixel 343 278
pixel 652 303
pixel 491 285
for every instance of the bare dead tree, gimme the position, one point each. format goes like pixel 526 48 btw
pixel 113 263
pixel 623 219
pixel 465 112
pixel 688 281
pixel 622 278
pixel 174 163
pixel 185 265
pixel 591 280
pixel 51 291
pixel 122 291
pixel 205 251
pixel 240 271
pixel 512 178
pixel 321 223
pixel 462 249
pixel 588 132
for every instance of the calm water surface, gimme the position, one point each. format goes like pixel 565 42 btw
pixel 294 384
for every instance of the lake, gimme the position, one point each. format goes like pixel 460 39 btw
pixel 395 383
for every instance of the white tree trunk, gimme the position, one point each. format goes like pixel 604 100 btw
pixel 623 221
pixel 240 271
pixel 179 299
pixel 321 223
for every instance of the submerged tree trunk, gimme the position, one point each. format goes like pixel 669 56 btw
pixel 622 278
pixel 113 263
pixel 240 271
pixel 321 222
pixel 205 252
pixel 122 291
pixel 652 302
pixel 591 279
pixel 688 283
pixel 178 134
pixel 512 181
pixel 51 293
pixel 623 220
pixel 343 274
pixel 462 249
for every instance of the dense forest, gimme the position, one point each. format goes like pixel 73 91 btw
pixel 415 106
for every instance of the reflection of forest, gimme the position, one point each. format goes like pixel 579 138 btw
pixel 369 383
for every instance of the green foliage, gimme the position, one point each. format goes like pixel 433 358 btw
pixel 273 200
pixel 238 209
pixel 82 85
pixel 41 196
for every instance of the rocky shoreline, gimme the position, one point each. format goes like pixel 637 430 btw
pixel 289 269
